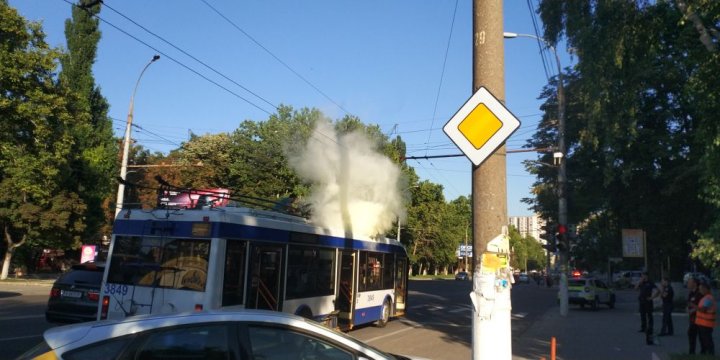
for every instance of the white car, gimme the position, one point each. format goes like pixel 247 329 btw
pixel 245 334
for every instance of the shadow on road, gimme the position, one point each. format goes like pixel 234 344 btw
pixel 7 294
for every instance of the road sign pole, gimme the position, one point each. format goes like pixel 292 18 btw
pixel 491 314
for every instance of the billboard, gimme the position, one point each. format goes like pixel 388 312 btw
pixel 464 251
pixel 193 199
pixel 87 253
pixel 633 242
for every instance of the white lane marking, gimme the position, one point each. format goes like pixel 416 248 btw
pixel 3 318
pixel 520 315
pixel 461 309
pixel 387 335
pixel 20 337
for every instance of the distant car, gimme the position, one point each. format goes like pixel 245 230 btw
pixel 462 275
pixel 590 291
pixel 75 294
pixel 700 277
pixel 523 278
pixel 242 334
pixel 628 278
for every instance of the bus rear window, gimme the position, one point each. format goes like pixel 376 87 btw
pixel 160 262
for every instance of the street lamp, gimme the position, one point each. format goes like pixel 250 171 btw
pixel 560 158
pixel 126 141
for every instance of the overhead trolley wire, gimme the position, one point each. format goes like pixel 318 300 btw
pixel 189 55
pixel 442 72
pixel 179 62
pixel 171 142
pixel 533 17
pixel 276 57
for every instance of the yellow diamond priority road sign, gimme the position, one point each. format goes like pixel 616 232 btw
pixel 481 126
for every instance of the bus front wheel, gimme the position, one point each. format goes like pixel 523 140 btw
pixel 385 315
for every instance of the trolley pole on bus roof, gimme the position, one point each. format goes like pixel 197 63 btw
pixel 491 336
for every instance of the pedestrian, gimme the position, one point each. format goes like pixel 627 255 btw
pixel 667 296
pixel 692 302
pixel 705 319
pixel 647 292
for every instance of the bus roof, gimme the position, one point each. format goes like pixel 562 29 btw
pixel 228 220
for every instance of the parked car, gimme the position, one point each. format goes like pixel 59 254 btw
pixel 590 291
pixel 628 279
pixel 75 294
pixel 242 334
pixel 523 278
pixel 462 275
pixel 700 277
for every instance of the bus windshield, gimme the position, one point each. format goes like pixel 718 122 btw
pixel 160 262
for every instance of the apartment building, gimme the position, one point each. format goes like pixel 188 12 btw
pixel 528 225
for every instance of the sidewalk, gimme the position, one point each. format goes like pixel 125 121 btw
pixel 32 279
pixel 603 334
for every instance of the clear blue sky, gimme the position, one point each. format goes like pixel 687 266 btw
pixel 379 60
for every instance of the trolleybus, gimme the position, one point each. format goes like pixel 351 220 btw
pixel 170 260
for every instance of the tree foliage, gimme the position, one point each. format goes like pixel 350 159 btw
pixel 36 143
pixel 641 120
pixel 58 154
pixel 94 168
pixel 527 252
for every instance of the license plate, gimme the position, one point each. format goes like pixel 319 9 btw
pixel 70 294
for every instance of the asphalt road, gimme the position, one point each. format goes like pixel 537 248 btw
pixel 22 317
pixel 437 325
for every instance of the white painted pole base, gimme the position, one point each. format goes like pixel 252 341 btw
pixel 491 338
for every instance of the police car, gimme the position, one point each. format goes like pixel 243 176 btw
pixel 590 291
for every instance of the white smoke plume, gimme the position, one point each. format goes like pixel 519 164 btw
pixel 354 186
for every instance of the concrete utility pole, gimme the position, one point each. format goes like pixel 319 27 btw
pixel 491 333
pixel 560 157
pixel 562 187
pixel 126 142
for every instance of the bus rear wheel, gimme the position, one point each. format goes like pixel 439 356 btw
pixel 384 316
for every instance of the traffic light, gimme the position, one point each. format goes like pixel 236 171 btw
pixel 549 236
pixel 563 244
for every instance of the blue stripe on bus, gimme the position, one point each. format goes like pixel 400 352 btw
pixel 239 231
pixel 367 315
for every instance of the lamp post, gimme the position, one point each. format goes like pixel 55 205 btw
pixel 126 141
pixel 562 175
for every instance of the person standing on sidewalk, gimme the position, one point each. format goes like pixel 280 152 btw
pixel 648 291
pixel 705 319
pixel 693 300
pixel 667 295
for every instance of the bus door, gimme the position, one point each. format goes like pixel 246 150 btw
pixel 346 291
pixel 234 274
pixel 401 273
pixel 264 283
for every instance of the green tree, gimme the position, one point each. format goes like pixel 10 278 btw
pixel 259 165
pixel 36 142
pixel 93 171
pixel 635 150
pixel 527 252
pixel 425 216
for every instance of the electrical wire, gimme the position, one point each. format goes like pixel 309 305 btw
pixel 442 72
pixel 171 142
pixel 189 55
pixel 283 63
pixel 176 61
pixel 533 17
